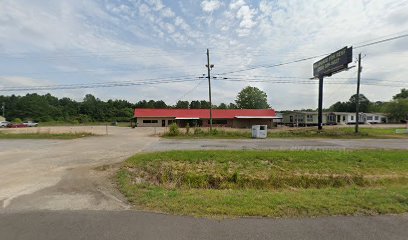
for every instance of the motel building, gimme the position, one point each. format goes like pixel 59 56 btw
pixel 235 118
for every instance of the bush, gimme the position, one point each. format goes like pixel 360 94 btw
pixel 174 130
pixel 213 131
pixel 198 131
pixel 17 120
pixel 188 129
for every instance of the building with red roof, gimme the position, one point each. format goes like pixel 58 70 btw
pixel 237 118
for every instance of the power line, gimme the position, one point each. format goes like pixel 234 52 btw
pixel 98 85
pixel 309 58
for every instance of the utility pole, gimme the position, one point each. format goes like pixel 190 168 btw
pixel 3 107
pixel 209 85
pixel 358 92
pixel 320 107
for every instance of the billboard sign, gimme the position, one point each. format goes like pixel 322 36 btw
pixel 333 63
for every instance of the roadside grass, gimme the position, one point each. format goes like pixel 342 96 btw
pixel 268 183
pixel 67 136
pixel 59 123
pixel 328 132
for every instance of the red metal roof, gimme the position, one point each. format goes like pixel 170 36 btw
pixel 204 113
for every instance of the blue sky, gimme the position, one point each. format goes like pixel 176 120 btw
pixel 79 42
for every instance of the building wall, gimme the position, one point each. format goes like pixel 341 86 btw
pixel 218 122
pixel 247 123
pixel 140 122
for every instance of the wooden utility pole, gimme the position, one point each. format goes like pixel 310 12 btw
pixel 358 92
pixel 209 86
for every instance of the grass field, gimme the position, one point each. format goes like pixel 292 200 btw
pixel 268 183
pixel 56 123
pixel 328 132
pixel 4 135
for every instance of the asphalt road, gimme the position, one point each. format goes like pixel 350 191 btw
pixel 139 225
pixel 54 189
pixel 277 144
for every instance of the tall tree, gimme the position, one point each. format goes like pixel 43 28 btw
pixel 222 106
pixel 182 104
pixel 252 98
pixel 195 104
pixel 398 110
pixel 403 94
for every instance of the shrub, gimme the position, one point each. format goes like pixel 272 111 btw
pixel 17 120
pixel 174 130
pixel 198 131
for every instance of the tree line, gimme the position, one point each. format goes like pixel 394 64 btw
pixel 47 108
pixel 396 109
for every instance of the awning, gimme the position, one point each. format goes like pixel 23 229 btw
pixel 187 118
pixel 256 117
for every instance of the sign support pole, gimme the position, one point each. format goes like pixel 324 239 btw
pixel 320 107
pixel 358 92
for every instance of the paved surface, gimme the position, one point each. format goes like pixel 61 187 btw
pixel 138 225
pixel 49 189
pixel 276 144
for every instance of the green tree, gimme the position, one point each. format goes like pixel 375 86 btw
pixel 402 94
pixel 232 106
pixel 160 104
pixel 222 106
pixel 397 110
pixel 195 104
pixel 204 104
pixel 182 104
pixel 364 103
pixel 252 98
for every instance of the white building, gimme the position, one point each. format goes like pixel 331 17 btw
pixel 373 118
pixel 349 118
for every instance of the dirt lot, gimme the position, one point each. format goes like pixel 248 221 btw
pixel 60 174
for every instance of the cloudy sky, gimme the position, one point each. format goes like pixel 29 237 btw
pixel 44 42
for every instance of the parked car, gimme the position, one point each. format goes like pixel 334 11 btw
pixel 30 124
pixel 5 124
pixel 17 125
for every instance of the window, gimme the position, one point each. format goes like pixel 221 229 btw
pixel 344 118
pixel 331 118
pixel 376 118
pixel 219 121
pixel 309 117
pixel 261 127
pixel 352 118
pixel 370 118
pixel 150 121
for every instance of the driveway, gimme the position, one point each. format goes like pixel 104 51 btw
pixel 60 174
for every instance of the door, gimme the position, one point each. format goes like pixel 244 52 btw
pixel 163 123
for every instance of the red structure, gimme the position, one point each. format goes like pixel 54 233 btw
pixel 239 118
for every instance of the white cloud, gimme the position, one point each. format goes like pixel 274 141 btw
pixel 246 14
pixel 210 5
pixel 236 4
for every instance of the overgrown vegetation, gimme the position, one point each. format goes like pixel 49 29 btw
pixel 337 132
pixel 328 132
pixel 8 135
pixel 205 133
pixel 268 183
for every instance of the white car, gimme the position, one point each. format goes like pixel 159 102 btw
pixel 30 124
pixel 4 124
